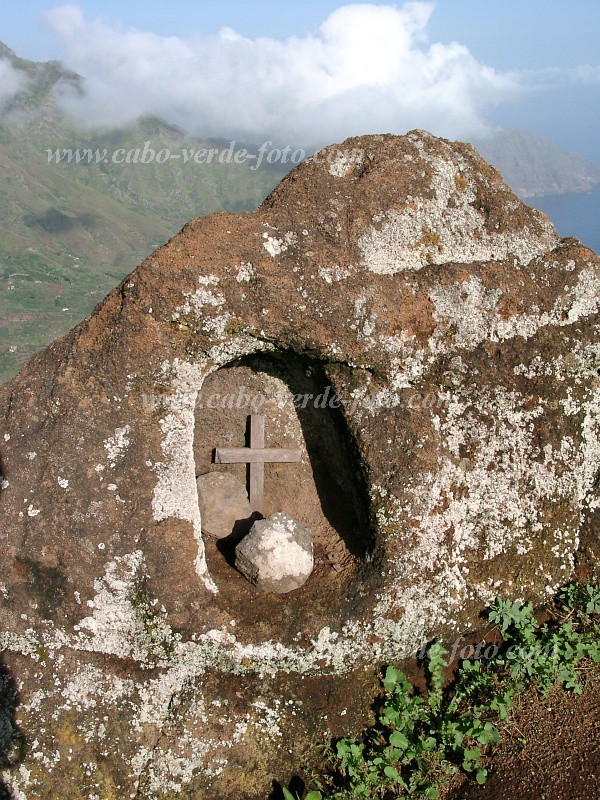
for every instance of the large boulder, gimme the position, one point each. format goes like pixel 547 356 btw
pixel 450 453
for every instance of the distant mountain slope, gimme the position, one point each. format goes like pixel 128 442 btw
pixel 63 245
pixel 69 232
pixel 533 167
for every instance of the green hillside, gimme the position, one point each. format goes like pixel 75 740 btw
pixel 63 245
pixel 70 232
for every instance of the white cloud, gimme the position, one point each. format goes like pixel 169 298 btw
pixel 586 74
pixel 559 77
pixel 368 68
pixel 11 80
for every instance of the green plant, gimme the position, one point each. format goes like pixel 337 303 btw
pixel 550 654
pixel 418 740
pixel 310 796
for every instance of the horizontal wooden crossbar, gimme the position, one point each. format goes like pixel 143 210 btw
pixel 250 455
pixel 256 456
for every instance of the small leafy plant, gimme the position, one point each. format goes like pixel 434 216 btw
pixel 549 654
pixel 419 740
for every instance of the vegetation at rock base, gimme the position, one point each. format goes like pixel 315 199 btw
pixel 419 740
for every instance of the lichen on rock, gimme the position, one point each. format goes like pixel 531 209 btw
pixel 458 338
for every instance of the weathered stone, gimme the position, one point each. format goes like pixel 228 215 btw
pixel 277 554
pixel 459 336
pixel 224 504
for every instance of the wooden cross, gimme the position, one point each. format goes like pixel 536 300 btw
pixel 256 456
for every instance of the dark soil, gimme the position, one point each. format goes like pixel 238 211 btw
pixel 550 749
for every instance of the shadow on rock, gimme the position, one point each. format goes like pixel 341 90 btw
pixel 12 744
pixel 296 786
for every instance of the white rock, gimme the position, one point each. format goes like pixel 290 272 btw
pixel 277 554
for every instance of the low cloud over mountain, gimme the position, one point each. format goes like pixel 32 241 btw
pixel 367 68
pixel 11 80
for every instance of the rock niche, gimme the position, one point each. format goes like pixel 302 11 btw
pixel 448 453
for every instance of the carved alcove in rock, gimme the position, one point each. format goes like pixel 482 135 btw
pixel 326 491
pixel 488 490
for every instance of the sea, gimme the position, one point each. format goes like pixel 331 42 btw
pixel 573 215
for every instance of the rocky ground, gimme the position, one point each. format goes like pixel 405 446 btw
pixel 550 749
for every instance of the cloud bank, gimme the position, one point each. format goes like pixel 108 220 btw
pixel 11 80
pixel 368 68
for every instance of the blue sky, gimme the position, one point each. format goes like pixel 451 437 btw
pixel 506 33
pixel 536 48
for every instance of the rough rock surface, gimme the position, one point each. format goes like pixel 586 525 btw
pixel 223 502
pixel 277 554
pixel 460 335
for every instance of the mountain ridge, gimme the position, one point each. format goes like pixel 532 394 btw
pixel 70 231
pixel 536 167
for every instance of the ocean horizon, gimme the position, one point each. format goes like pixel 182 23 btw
pixel 573 215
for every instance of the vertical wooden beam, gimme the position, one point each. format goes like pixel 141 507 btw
pixel 257 469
